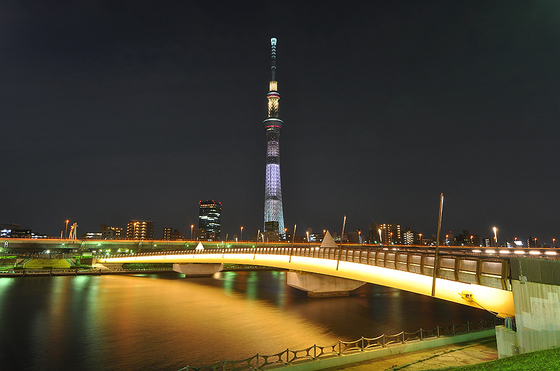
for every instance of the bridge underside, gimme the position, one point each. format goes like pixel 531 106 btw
pixel 492 299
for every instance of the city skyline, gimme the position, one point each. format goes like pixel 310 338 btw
pixel 137 112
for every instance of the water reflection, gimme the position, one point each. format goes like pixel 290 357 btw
pixel 165 322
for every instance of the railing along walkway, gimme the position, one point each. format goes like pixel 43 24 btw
pixel 315 352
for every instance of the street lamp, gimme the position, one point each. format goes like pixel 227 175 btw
pixel 380 239
pixel 241 238
pixel 307 236
pixel 66 230
pixel 495 236
pixel 192 227
pixel 420 235
pixel 554 242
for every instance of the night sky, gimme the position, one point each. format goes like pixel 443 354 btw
pixel 119 110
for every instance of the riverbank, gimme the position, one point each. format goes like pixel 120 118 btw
pixel 96 271
pixel 76 272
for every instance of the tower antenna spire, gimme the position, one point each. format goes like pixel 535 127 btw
pixel 273 213
pixel 273 58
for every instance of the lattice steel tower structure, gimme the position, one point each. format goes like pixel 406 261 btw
pixel 273 214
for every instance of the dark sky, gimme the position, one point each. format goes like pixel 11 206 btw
pixel 120 110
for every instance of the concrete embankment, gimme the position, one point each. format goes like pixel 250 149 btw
pixel 412 355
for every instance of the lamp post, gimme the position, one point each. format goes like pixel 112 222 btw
pixel 241 238
pixel 420 236
pixel 192 227
pixel 495 236
pixel 553 242
pixel 66 230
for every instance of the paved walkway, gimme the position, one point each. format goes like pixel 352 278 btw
pixel 431 359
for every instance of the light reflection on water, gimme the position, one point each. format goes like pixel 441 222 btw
pixel 165 322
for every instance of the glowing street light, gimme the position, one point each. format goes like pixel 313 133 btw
pixel 495 235
pixel 192 227
pixel 554 242
pixel 66 230
pixel 241 238
pixel 380 239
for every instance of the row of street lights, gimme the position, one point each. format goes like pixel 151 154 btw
pixel 494 229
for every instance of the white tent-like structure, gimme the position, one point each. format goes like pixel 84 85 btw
pixel 199 246
pixel 328 241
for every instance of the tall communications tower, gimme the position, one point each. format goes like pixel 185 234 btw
pixel 273 214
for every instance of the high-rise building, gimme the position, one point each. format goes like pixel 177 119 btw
pixel 387 234
pixel 273 213
pixel 210 219
pixel 140 230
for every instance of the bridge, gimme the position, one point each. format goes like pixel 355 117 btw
pixel 523 283
pixel 480 280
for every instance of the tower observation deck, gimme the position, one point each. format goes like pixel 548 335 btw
pixel 273 213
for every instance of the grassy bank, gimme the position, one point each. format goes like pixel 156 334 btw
pixel 542 360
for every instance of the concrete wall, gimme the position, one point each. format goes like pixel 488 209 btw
pixel 537 315
pixel 536 294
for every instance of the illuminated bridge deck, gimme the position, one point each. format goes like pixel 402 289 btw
pixel 474 277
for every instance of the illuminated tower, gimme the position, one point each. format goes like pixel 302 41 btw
pixel 273 214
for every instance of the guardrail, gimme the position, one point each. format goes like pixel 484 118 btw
pixel 453 265
pixel 315 352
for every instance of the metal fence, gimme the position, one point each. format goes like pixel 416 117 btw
pixel 315 352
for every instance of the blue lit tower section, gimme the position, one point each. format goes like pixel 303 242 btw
pixel 273 214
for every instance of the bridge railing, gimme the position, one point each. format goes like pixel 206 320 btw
pixel 315 352
pixel 487 271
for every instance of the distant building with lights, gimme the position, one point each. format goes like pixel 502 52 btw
pixel 91 236
pixel 140 230
pixel 13 230
pixel 355 236
pixel 209 220
pixel 171 234
pixel 111 233
pixel 386 234
pixel 467 239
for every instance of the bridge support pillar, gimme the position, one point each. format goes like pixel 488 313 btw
pixel 536 294
pixel 198 269
pixel 97 265
pixel 320 285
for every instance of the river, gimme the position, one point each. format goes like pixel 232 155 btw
pixel 165 322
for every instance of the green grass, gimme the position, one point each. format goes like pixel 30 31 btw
pixel 542 360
